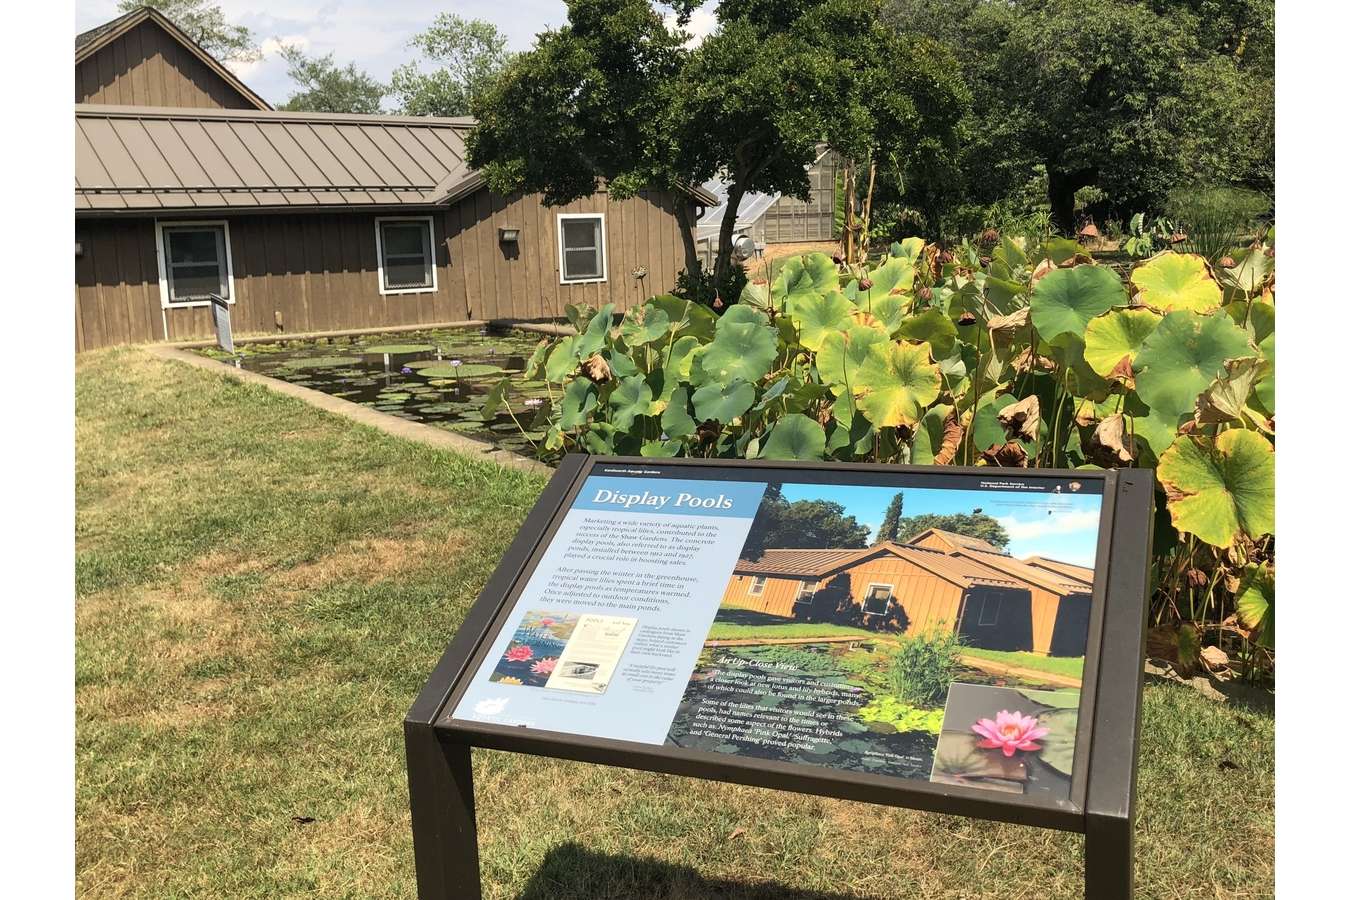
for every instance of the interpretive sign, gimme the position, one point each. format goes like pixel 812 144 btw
pixel 220 318
pixel 962 640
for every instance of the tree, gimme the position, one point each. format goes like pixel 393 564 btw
pixel 977 525
pixel 889 529
pixel 813 524
pixel 617 96
pixel 205 23
pixel 327 88
pixel 469 53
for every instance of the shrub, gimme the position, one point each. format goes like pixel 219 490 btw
pixel 1215 219
pixel 704 287
pixel 923 666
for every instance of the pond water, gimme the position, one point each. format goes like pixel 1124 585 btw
pixel 440 377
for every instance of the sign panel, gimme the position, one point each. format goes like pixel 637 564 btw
pixel 923 626
pixel 220 318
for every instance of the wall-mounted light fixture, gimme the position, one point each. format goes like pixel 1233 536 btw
pixel 508 235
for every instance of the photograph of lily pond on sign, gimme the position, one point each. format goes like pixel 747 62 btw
pixel 859 616
pixel 533 653
pixel 1017 741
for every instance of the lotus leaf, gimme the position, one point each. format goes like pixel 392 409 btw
pixel 688 317
pixel 1066 300
pixel 563 361
pixel 909 248
pixel 1182 356
pixel 1225 398
pixel 1220 488
pixel 630 399
pixel 740 313
pixel 935 438
pixel 496 398
pixel 741 350
pixel 804 276
pixel 893 277
pixel 1062 250
pixel 1250 271
pixel 592 340
pixel 933 326
pixel 1256 603
pixel 818 316
pixel 795 436
pixel 895 382
pixel 579 399
pixel 842 352
pixel 645 324
pixel 1171 281
pixel 675 419
pixel 661 448
pixel 1112 341
pixel 723 402
pixel 398 349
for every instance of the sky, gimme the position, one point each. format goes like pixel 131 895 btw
pixel 371 33
pixel 1060 526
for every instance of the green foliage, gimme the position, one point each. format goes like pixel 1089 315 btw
pixel 324 87
pixel 1215 219
pixel 466 56
pixel 889 530
pixel 925 364
pixel 205 23
pixel 901 716
pixel 923 666
pixel 707 287
pixel 806 523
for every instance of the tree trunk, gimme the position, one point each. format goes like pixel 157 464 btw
pixel 1062 186
pixel 684 215
pixel 734 194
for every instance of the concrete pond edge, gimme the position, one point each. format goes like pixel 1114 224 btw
pixel 364 415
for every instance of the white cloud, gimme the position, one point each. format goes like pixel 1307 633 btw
pixel 1053 523
pixel 701 24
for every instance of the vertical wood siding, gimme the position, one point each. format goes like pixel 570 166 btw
pixel 318 271
pixel 146 67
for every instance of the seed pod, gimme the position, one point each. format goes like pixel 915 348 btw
pixel 865 284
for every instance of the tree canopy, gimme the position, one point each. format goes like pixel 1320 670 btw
pixel 889 530
pixel 814 524
pixel 327 87
pixel 977 525
pixel 465 56
pixel 206 24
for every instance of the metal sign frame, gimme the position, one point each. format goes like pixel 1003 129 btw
pixel 1101 805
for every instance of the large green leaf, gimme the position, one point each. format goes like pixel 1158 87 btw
pixel 818 316
pixel 1171 281
pixel 1181 357
pixel 1217 489
pixel 675 419
pixel 741 350
pixel 688 317
pixel 632 397
pixel 723 402
pixel 795 436
pixel 803 276
pixel 1256 603
pixel 1226 397
pixel 931 434
pixel 578 400
pixel 593 339
pixel 562 360
pixel 843 352
pixel 1115 337
pixel 1251 267
pixel 933 326
pixel 1066 300
pixel 644 325
pixel 895 383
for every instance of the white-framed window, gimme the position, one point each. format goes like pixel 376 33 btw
pixel 194 262
pixel 806 589
pixel 989 609
pixel 877 600
pixel 757 583
pixel 581 248
pixel 406 253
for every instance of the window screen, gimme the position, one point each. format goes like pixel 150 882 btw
pixel 878 600
pixel 194 262
pixel 406 254
pixel 583 252
pixel 989 610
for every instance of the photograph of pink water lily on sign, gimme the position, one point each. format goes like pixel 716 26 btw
pixel 1013 740
pixel 533 653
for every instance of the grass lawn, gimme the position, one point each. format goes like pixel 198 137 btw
pixel 1057 665
pixel 262 589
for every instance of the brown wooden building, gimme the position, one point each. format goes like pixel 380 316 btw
pixel 310 222
pixel 892 586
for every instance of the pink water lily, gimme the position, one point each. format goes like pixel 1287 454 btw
pixel 1010 732
pixel 519 653
pixel 544 666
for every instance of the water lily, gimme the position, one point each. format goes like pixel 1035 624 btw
pixel 405 371
pixel 456 362
pixel 509 679
pixel 545 622
pixel 544 666
pixel 519 653
pixel 1010 732
pixel 533 402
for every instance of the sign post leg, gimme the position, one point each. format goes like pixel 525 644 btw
pixel 445 831
pixel 1109 852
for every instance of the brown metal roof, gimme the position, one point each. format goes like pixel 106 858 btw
pixel 1022 571
pixel 1068 570
pixel 87 43
pixel 952 537
pixel 191 159
pixel 819 563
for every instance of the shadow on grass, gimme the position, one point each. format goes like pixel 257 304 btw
pixel 571 871
pixel 730 616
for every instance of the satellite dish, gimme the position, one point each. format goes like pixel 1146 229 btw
pixel 742 247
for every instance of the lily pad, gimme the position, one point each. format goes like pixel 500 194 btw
pixel 1182 356
pixel 467 370
pixel 795 436
pixel 1172 281
pixel 1066 300
pixel 318 362
pixel 398 349
pixel 895 383
pixel 1220 488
